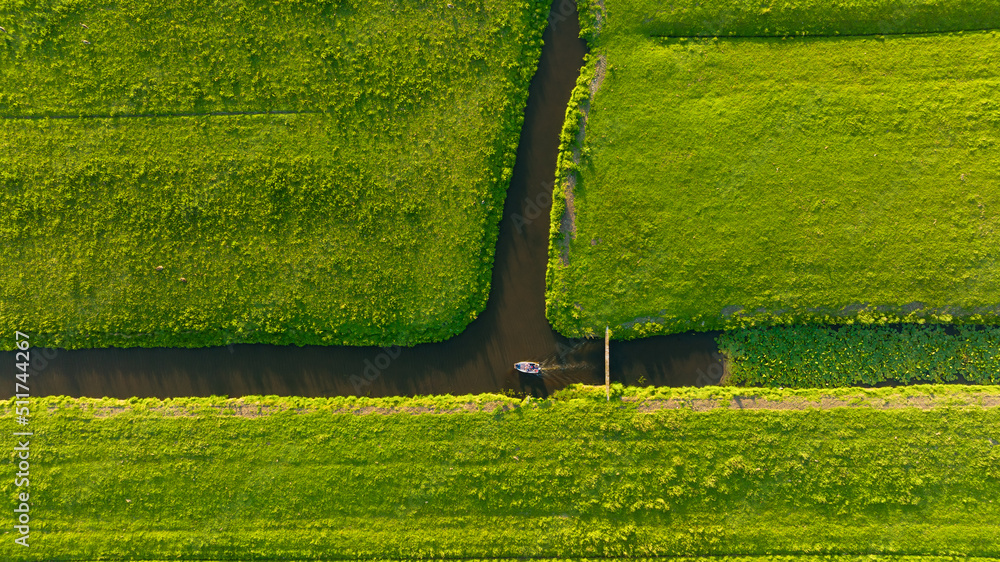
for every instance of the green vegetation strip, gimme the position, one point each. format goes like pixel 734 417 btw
pixel 782 558
pixel 367 216
pixel 750 18
pixel 808 356
pixel 573 476
pixel 725 183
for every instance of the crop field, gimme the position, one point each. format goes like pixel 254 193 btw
pixel 204 173
pixel 779 173
pixel 694 472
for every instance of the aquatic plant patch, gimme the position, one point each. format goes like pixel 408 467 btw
pixel 192 174
pixel 720 183
pixel 818 356
pixel 570 477
pixel 746 18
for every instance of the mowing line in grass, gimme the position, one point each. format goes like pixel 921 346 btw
pixel 827 35
pixel 159 115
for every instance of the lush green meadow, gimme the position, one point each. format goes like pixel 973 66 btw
pixel 721 183
pixel 574 476
pixel 366 215
pixel 818 356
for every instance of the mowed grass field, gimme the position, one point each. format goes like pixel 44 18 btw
pixel 727 182
pixel 136 136
pixel 657 472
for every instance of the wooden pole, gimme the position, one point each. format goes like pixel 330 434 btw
pixel 607 363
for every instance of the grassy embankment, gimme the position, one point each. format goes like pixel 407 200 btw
pixel 691 472
pixel 730 182
pixel 367 216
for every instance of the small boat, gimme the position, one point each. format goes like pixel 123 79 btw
pixel 529 367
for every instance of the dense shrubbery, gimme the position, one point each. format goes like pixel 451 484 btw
pixel 567 168
pixel 370 217
pixel 566 478
pixel 816 356
pixel 810 17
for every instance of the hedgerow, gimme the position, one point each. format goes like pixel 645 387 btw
pixel 817 356
pixel 366 215
pixel 571 477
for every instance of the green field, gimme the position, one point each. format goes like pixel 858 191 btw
pixel 365 215
pixel 726 182
pixel 655 472
pixel 819 356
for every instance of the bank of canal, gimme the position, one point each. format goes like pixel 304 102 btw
pixel 512 328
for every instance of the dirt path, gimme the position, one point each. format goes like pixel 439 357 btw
pixel 825 403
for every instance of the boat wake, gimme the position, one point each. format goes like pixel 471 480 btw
pixel 565 367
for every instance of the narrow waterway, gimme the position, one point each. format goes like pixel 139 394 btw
pixel 512 328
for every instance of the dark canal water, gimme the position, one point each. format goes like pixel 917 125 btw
pixel 512 328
